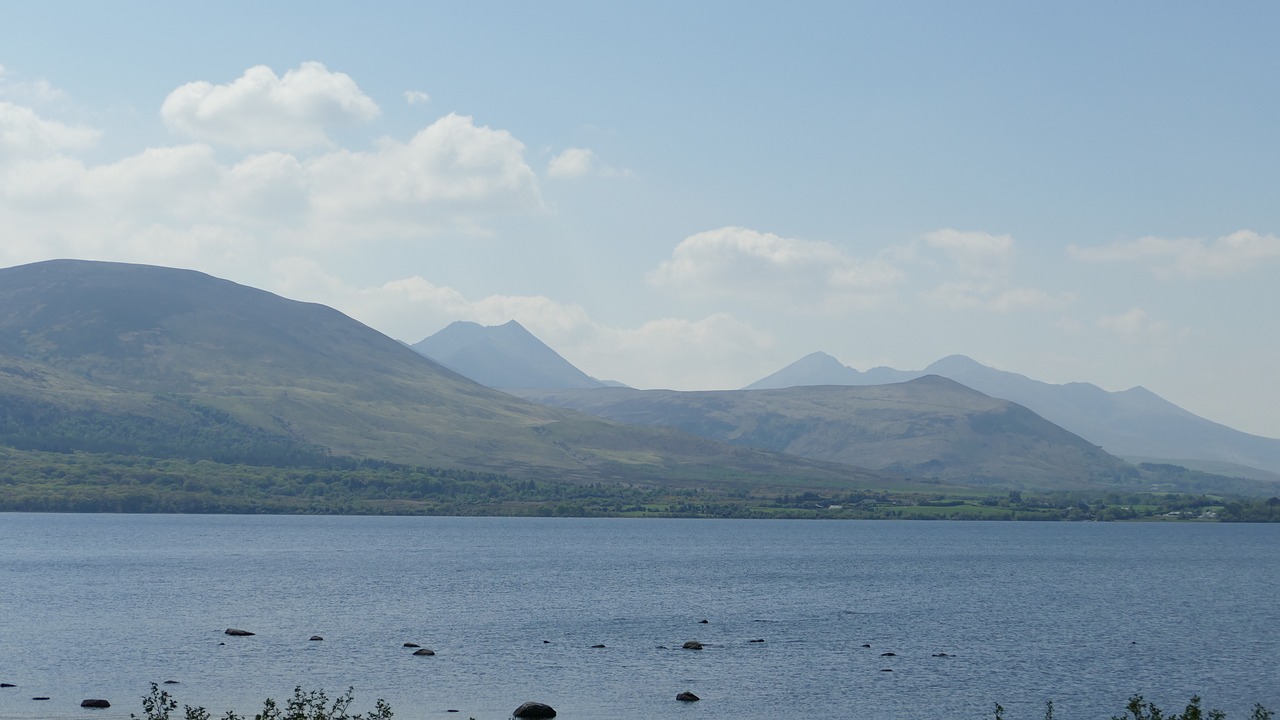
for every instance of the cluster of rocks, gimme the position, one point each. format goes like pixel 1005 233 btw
pixel 527 711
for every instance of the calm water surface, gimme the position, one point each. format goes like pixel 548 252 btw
pixel 1082 614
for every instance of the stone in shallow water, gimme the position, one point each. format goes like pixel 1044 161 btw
pixel 94 703
pixel 424 651
pixel 237 632
pixel 692 645
pixel 687 696
pixel 534 711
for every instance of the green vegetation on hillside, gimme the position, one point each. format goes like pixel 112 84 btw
pixel 36 481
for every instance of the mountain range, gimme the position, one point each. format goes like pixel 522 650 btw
pixel 143 361
pixel 1135 424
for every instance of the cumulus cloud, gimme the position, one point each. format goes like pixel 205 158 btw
pixel 24 134
pixel 1231 254
pixel 452 176
pixel 745 264
pixel 451 173
pixel 260 110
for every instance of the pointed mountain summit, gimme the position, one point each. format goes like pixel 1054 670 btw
pixel 820 368
pixel 1134 423
pixel 503 356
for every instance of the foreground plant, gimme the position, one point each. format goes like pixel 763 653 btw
pixel 309 705
pixel 1139 709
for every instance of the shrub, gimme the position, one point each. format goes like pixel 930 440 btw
pixel 309 705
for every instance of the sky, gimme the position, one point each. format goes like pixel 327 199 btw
pixel 689 195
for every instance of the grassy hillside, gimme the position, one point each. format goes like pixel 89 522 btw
pixel 106 357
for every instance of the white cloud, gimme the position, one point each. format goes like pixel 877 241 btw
pixel 744 264
pixel 994 297
pixel 36 92
pixel 573 162
pixel 581 162
pixel 1137 326
pixel 452 176
pixel 416 97
pixel 1231 254
pixel 24 134
pixel 260 110
pixel 977 254
pixel 979 268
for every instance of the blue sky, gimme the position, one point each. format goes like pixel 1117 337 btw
pixel 689 195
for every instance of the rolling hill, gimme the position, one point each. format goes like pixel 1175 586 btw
pixel 151 361
pixel 928 427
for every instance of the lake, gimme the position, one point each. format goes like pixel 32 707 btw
pixel 99 606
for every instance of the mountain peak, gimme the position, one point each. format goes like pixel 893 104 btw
pixel 954 363
pixel 505 356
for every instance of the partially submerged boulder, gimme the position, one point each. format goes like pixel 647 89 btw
pixel 94 703
pixel 238 633
pixel 316 638
pixel 687 696
pixel 691 645
pixel 424 651
pixel 534 710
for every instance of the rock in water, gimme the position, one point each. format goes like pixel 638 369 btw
pixel 534 710
pixel 424 651
pixel 687 696
pixel 316 637
pixel 692 645
pixel 238 633
pixel 94 703
pixel 412 645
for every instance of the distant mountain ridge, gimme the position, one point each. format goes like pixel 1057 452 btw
pixel 503 356
pixel 1134 423
pixel 927 427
